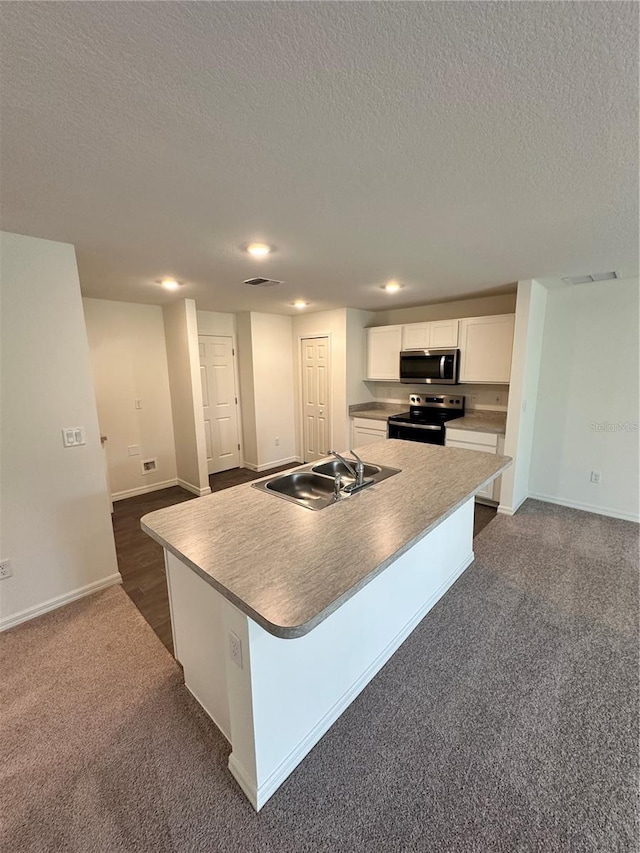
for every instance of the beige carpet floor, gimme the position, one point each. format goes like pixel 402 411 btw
pixel 507 722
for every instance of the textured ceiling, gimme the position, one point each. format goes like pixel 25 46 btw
pixel 457 147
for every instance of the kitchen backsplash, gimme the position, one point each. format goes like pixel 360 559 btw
pixel 488 397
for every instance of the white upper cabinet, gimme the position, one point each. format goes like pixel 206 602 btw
pixel 383 352
pixel 436 334
pixel 485 348
pixel 415 336
pixel 444 333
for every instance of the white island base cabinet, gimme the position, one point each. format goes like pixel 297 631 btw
pixel 274 698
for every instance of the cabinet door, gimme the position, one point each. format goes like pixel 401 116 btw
pixel 416 336
pixel 362 436
pixel 383 352
pixel 488 492
pixel 485 349
pixel 443 333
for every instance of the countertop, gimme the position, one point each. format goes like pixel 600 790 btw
pixel 478 421
pixel 377 411
pixel 287 567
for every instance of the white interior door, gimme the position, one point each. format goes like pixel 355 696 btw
pixel 316 374
pixel 220 402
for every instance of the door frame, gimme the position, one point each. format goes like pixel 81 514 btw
pixel 236 379
pixel 299 389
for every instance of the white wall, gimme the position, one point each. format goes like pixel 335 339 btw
pixel 266 389
pixel 587 404
pixel 481 306
pixel 55 524
pixel 216 323
pixel 358 391
pixel 247 391
pixel 490 398
pixel 129 362
pixel 183 358
pixel 525 371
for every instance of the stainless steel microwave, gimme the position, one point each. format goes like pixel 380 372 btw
pixel 429 366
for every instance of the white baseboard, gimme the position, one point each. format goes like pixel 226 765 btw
pixel 259 797
pixel 598 510
pixel 195 490
pixel 143 490
pixel 511 510
pixel 268 465
pixel 59 601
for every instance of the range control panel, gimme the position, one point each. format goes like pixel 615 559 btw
pixel 441 401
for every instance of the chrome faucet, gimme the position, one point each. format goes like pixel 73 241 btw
pixel 357 473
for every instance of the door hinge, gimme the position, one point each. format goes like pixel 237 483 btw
pixel 236 401
pixel 233 352
pixel 238 447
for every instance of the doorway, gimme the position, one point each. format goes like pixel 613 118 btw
pixel 315 372
pixel 219 402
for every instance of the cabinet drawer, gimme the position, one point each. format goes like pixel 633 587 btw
pixel 483 440
pixel 370 424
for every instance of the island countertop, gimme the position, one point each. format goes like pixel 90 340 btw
pixel 287 567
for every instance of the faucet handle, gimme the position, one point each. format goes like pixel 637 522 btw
pixel 356 457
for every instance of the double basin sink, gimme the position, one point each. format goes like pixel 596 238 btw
pixel 314 487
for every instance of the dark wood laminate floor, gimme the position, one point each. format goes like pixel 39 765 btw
pixel 141 560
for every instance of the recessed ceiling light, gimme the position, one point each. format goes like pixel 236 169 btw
pixel 170 283
pixel 258 250
pixel 392 286
pixel 299 303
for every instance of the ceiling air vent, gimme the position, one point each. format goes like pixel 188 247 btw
pixel 586 279
pixel 263 282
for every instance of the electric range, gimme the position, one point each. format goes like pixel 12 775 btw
pixel 425 421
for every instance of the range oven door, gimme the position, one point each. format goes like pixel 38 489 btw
pixel 429 367
pixel 425 433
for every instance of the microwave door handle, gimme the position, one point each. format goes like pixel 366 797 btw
pixel 442 358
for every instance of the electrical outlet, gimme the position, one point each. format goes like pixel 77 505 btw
pixel 73 436
pixel 5 569
pixel 277 442
pixel 138 404
pixel 235 649
pixel 595 477
pixel 474 401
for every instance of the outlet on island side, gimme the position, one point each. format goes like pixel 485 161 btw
pixel 235 649
pixel 5 569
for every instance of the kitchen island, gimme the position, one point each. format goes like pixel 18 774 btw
pixel 281 615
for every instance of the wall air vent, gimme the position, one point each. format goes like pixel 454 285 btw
pixel 263 282
pixel 586 279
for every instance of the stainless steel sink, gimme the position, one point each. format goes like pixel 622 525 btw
pixel 313 487
pixel 302 487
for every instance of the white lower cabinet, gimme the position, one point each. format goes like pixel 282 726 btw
pixel 367 431
pixel 485 442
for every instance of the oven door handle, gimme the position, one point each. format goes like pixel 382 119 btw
pixel 415 426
